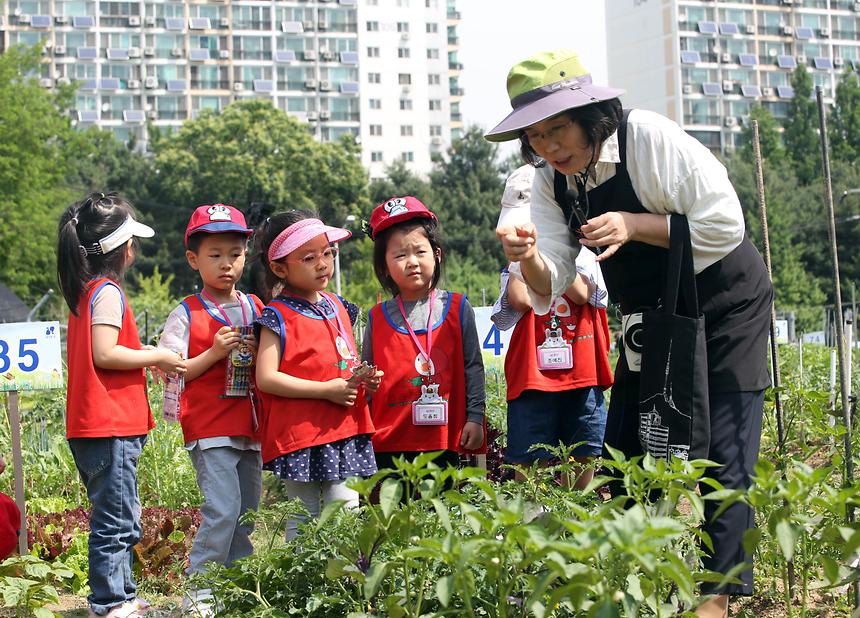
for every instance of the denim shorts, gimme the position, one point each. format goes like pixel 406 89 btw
pixel 570 417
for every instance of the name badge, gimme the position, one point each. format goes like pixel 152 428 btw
pixel 430 408
pixel 554 352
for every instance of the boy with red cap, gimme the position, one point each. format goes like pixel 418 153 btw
pixel 212 329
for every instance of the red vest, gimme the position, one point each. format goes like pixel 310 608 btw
pixel 584 327
pixel 395 353
pixel 309 351
pixel 205 412
pixel 103 403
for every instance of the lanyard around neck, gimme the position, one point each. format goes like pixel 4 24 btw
pixel 340 328
pixel 224 313
pixel 425 353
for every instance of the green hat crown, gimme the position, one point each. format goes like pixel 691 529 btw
pixel 543 69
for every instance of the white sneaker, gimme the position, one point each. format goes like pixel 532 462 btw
pixel 198 603
pixel 129 609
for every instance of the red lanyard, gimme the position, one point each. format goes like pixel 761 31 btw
pixel 425 353
pixel 340 329
pixel 224 313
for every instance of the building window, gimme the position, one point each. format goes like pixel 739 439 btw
pixel 432 54
pixel 376 156
pixel 402 52
pixel 406 130
pixel 403 3
pixel 435 105
pixel 435 130
pixel 434 79
pixel 373 52
pixel 376 129
pixel 375 103
pixel 404 79
pixel 374 78
pixel 403 26
pixel 407 157
pixel 373 26
pixel 406 104
pixel 432 28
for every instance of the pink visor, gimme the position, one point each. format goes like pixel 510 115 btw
pixel 301 232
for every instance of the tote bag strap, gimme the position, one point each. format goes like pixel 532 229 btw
pixel 680 274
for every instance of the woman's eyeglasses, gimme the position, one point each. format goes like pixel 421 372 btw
pixel 312 259
pixel 553 134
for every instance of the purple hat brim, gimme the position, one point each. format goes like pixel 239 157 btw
pixel 220 227
pixel 547 107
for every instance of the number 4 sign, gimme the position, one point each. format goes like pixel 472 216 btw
pixel 30 359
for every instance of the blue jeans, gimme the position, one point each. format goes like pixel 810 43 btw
pixel 540 417
pixel 108 469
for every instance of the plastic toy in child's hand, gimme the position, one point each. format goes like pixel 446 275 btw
pixel 362 372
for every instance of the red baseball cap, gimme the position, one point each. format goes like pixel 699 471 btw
pixel 397 210
pixel 216 219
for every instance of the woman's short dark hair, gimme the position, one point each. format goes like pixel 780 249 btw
pixel 380 247
pixel 598 120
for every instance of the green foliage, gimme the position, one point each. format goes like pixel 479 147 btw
pixel 36 143
pixel 801 128
pixel 28 584
pixel 481 549
pixel 152 301
pixel 844 122
pixel 770 143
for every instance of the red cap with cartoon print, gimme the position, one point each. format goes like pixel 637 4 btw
pixel 216 219
pixel 397 210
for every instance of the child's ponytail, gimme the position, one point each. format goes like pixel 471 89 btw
pixel 84 224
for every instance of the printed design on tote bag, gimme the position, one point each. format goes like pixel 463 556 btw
pixel 653 434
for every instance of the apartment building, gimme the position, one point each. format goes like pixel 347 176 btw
pixel 157 63
pixel 703 63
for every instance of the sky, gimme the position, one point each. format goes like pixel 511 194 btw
pixel 496 34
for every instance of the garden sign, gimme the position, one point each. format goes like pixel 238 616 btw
pixel 30 360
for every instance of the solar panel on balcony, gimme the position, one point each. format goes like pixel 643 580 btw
pixel 729 28
pixel 707 27
pixel 786 62
pixel 750 90
pixel 785 92
pixel 174 23
pixel 349 57
pixel 690 57
pixel 747 60
pixel 349 87
pixel 133 115
pixel 823 62
pixel 83 21
pixel 40 21
pixel 285 55
pixel 110 83
pixel 88 53
pixel 198 54
pixel 803 33
pixel 712 89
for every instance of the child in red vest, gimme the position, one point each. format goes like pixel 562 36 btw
pixel 10 521
pixel 107 412
pixel 212 329
pixel 316 423
pixel 425 341
pixel 556 367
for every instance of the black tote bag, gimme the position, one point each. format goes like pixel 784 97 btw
pixel 673 383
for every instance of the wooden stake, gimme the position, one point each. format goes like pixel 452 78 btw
pixel 14 414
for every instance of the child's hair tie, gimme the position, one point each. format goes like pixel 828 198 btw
pixel 74 220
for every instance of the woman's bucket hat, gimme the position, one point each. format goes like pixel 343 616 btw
pixel 544 85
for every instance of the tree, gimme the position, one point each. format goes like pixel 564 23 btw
pixel 844 122
pixel 468 185
pixel 36 144
pixel 801 127
pixel 250 154
pixel 769 139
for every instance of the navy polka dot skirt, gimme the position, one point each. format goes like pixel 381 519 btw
pixel 327 462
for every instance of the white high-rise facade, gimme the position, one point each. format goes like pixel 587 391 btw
pixel 145 62
pixel 409 81
pixel 703 63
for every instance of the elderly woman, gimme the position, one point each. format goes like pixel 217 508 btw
pixel 631 170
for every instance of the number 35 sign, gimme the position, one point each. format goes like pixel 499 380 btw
pixel 30 356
